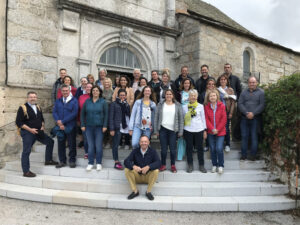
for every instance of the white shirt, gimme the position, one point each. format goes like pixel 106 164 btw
pixel 33 107
pixel 144 152
pixel 126 130
pixel 198 122
pixel 168 116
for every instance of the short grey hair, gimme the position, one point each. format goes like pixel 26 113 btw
pixel 83 78
pixel 137 70
pixel 103 69
pixel 193 92
pixel 252 77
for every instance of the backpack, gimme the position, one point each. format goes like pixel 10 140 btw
pixel 26 115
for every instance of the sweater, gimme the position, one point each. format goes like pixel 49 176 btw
pixel 115 116
pixel 94 113
pixel 33 120
pixel 252 102
pixel 198 122
pixel 136 158
pixel 220 118
pixel 81 101
pixel 178 121
pixel 66 112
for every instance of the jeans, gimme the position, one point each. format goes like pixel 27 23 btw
pixel 216 149
pixel 85 142
pixel 167 138
pixel 248 127
pixel 95 141
pixel 137 133
pixel 227 136
pixel 115 144
pixel 28 140
pixel 71 137
pixel 190 137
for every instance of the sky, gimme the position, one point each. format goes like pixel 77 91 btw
pixel 275 20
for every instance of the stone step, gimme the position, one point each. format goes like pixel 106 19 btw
pixel 180 176
pixel 161 188
pixel 166 203
pixel 109 163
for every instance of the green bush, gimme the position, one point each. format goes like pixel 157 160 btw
pixel 281 122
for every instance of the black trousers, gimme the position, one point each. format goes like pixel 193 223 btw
pixel 190 139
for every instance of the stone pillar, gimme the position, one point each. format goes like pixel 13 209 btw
pixel 84 68
pixel 170 13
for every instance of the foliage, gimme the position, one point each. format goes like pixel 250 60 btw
pixel 281 122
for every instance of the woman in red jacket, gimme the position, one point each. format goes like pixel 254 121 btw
pixel 215 115
pixel 68 81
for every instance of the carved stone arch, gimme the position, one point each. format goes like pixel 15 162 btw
pixel 135 44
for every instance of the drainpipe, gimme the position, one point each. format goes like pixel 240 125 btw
pixel 6 25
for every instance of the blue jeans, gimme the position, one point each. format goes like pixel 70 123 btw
pixel 85 142
pixel 95 141
pixel 216 149
pixel 227 136
pixel 115 144
pixel 136 134
pixel 28 140
pixel 167 138
pixel 71 137
pixel 248 127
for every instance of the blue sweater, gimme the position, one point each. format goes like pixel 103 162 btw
pixel 252 101
pixel 66 112
pixel 150 159
pixel 94 114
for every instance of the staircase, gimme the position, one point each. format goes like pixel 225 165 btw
pixel 244 185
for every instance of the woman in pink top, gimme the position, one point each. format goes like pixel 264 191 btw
pixel 81 101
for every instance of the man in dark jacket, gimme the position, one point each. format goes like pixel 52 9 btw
pixel 57 84
pixel 251 104
pixel 142 166
pixel 202 81
pixel 30 120
pixel 235 82
pixel 65 113
pixel 184 74
pixel 155 83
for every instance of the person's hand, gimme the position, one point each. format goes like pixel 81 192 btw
pixel 83 129
pixel 250 115
pixel 215 131
pixel 112 133
pixel 104 129
pixel 145 169
pixel 33 130
pixel 62 127
pixel 137 169
pixel 229 116
pixel 130 132
pixel 205 135
pixel 59 123
pixel 43 128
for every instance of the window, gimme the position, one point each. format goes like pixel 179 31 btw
pixel 122 57
pixel 246 64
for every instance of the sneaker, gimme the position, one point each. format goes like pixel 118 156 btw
pixel 220 170
pixel 190 169
pixel 173 169
pixel 205 149
pixel 149 196
pixel 60 165
pixel 118 166
pixel 214 169
pixel 132 195
pixel 202 169
pixel 126 147
pixel 252 158
pixel 89 167
pixel 243 158
pixel 72 164
pixel 99 167
pixel 162 168
pixel 51 163
pixel 85 156
pixel 227 148
pixel 29 174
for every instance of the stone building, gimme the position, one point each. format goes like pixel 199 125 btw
pixel 38 37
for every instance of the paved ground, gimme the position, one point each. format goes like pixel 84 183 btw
pixel 17 212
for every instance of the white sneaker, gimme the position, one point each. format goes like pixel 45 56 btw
pixel 227 148
pixel 214 169
pixel 205 149
pixel 89 167
pixel 126 147
pixel 220 170
pixel 99 167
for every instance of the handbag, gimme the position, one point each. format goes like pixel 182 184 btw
pixel 180 148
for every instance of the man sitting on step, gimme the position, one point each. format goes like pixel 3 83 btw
pixel 142 167
pixel 30 121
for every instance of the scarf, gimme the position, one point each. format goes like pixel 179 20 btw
pixel 191 113
pixel 125 111
pixel 225 93
pixel 164 88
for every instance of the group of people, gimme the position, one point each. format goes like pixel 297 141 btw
pixel 106 112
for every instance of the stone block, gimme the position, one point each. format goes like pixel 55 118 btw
pixel 3 189
pixel 80 172
pixel 65 183
pixel 25 18
pixel 273 77
pixel 70 20
pixel 23 46
pixel 49 48
pixel 81 198
pixel 109 186
pixel 169 44
pixel 32 77
pixel 40 63
pixel 18 179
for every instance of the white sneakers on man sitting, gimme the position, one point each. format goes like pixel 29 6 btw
pixel 214 169
pixel 99 167
pixel 227 148
pixel 89 167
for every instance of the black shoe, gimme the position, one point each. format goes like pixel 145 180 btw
pixel 252 158
pixel 149 196
pixel 81 144
pixel 60 165
pixel 243 158
pixel 29 174
pixel 190 169
pixel 202 169
pixel 51 163
pixel 133 195
pixel 72 164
